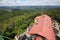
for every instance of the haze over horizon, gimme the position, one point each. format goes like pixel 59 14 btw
pixel 29 2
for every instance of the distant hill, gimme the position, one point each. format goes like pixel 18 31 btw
pixel 29 7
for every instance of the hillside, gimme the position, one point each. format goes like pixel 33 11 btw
pixel 14 22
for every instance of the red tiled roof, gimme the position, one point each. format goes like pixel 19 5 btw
pixel 44 27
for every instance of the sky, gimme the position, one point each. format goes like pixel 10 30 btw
pixel 29 2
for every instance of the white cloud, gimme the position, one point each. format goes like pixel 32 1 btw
pixel 50 2
pixel 29 2
pixel 3 2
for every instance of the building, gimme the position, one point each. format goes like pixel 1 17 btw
pixel 43 27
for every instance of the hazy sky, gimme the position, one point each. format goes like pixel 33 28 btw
pixel 29 2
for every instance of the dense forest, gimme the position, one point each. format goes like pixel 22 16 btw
pixel 14 22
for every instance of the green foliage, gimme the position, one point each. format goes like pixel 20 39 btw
pixel 54 14
pixel 15 22
pixel 1 38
